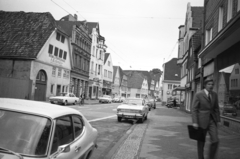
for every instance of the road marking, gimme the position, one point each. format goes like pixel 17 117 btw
pixel 102 118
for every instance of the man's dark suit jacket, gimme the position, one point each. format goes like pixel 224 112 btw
pixel 202 109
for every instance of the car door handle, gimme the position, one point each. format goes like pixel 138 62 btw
pixel 77 148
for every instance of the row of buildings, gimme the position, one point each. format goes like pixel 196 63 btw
pixel 209 46
pixel 41 57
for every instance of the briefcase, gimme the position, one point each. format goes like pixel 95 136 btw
pixel 196 134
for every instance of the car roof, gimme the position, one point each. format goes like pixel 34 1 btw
pixel 36 107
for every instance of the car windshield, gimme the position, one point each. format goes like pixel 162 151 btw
pixel 23 133
pixel 63 94
pixel 133 101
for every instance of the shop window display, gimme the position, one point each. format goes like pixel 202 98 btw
pixel 229 91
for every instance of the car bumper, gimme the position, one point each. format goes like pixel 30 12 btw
pixel 130 115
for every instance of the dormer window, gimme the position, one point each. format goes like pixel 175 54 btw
pixel 60 37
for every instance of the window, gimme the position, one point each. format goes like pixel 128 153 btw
pixel 236 71
pixel 67 74
pixel 109 63
pixel 208 36
pixel 65 55
pixel 78 125
pixel 56 51
pixel 58 36
pixel 54 71
pixel 109 74
pixel 50 49
pixel 62 39
pixel 105 73
pixel 169 86
pixel 63 133
pixel 99 69
pixel 230 10
pixel 63 88
pixel 64 73
pixel 59 72
pixel 52 87
pixel 60 53
pixel 238 7
pixel 220 18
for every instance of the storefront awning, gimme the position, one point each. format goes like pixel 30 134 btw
pixel 179 89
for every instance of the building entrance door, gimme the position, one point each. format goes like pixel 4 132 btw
pixel 40 87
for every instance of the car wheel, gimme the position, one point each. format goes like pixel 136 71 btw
pixel 65 102
pixel 149 109
pixel 146 117
pixel 75 102
pixel 119 119
pixel 142 119
pixel 52 102
pixel 234 114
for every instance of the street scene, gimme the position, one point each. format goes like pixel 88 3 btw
pixel 129 79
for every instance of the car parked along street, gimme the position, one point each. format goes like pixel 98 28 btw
pixel 39 130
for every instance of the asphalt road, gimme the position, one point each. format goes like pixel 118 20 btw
pixel 110 131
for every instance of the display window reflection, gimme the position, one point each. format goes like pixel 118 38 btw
pixel 229 91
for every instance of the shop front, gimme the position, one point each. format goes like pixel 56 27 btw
pixel 95 88
pixel 107 88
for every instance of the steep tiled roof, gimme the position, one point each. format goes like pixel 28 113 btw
pixel 24 34
pixel 135 80
pixel 92 25
pixel 196 40
pixel 197 14
pixel 106 57
pixel 144 73
pixel 67 26
pixel 171 68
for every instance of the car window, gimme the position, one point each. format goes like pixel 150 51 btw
pixel 24 133
pixel 63 133
pixel 78 125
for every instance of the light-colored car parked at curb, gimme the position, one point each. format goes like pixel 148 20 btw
pixel 105 99
pixel 133 108
pixel 64 98
pixel 39 130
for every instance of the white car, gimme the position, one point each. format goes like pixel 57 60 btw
pixel 39 130
pixel 133 108
pixel 64 98
pixel 105 99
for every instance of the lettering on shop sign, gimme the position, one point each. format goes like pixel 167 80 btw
pixel 56 60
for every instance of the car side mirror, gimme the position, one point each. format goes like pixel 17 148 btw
pixel 63 148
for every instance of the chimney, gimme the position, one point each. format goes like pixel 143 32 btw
pixel 76 17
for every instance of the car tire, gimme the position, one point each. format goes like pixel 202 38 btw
pixel 146 117
pixel 75 102
pixel 149 109
pixel 52 102
pixel 234 114
pixel 119 119
pixel 65 102
pixel 142 119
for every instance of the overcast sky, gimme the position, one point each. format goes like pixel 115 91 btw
pixel 140 34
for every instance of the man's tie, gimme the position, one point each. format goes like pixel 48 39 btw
pixel 209 97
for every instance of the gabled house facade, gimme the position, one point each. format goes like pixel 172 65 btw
pixel 137 85
pixel 186 52
pixel 107 75
pixel 116 81
pixel 80 51
pixel 124 85
pixel 170 79
pixel 34 57
pixel 98 50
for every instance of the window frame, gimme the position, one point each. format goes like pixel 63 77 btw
pixel 50 49
pixel 229 10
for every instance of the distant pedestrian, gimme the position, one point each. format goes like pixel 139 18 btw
pixel 206 115
pixel 82 98
pixel 174 102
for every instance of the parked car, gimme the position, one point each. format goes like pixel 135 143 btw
pixel 133 108
pixel 105 99
pixel 152 102
pixel 148 103
pixel 229 109
pixel 170 103
pixel 39 130
pixel 117 100
pixel 64 98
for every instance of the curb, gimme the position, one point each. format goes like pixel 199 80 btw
pixel 112 152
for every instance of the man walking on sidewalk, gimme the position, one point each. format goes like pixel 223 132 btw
pixel 206 114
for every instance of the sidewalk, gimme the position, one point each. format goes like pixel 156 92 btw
pixel 164 136
pixel 91 101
